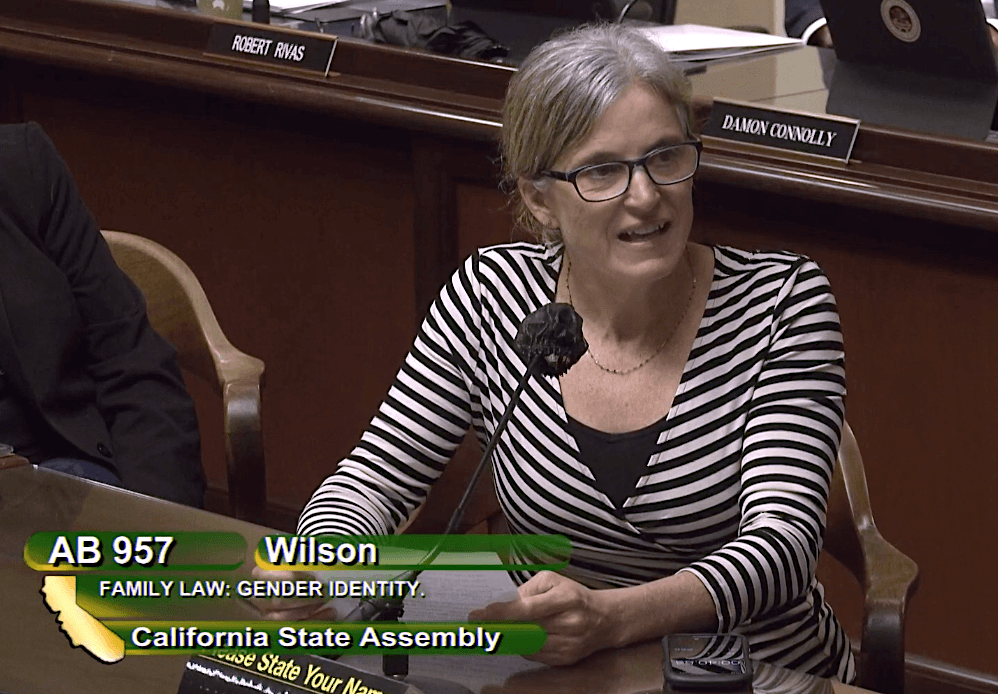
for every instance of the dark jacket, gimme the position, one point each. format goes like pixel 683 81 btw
pixel 75 342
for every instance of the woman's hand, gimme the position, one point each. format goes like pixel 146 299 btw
pixel 578 620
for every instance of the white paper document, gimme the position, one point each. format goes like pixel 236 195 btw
pixel 298 5
pixel 694 42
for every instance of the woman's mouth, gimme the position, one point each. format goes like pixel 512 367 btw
pixel 642 234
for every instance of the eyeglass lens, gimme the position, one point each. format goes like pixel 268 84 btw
pixel 664 166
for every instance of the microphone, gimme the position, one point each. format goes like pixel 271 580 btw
pixel 554 333
pixel 261 11
pixel 550 340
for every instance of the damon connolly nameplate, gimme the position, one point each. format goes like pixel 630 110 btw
pixel 275 47
pixel 824 136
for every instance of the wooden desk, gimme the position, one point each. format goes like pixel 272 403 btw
pixel 321 216
pixel 36 657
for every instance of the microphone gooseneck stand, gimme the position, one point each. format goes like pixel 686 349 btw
pixel 391 609
pixel 550 341
pixel 261 11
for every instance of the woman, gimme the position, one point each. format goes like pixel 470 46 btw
pixel 687 455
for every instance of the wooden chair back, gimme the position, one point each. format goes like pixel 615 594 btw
pixel 888 577
pixel 178 309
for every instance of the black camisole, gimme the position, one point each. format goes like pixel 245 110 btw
pixel 617 461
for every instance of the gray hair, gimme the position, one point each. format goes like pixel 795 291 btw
pixel 563 88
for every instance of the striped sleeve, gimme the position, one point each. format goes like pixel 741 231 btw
pixel 418 427
pixel 792 432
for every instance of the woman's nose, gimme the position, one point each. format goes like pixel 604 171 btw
pixel 642 189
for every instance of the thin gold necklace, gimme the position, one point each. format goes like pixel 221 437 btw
pixel 668 338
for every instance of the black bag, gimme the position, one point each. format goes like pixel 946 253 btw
pixel 412 30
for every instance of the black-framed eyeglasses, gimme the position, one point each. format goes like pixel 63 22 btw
pixel 664 166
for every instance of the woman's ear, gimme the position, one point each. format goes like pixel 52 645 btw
pixel 536 199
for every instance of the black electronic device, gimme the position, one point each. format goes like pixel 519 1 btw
pixel 706 663
pixel 923 65
pixel 948 38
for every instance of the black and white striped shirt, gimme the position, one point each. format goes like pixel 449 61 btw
pixel 736 487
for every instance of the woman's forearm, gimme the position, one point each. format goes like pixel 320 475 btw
pixel 678 603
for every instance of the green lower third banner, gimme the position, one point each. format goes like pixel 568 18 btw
pixel 329 638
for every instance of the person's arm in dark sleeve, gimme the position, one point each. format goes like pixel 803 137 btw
pixel 140 392
pixel 803 19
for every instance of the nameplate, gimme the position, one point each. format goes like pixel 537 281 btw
pixel 236 672
pixel 246 42
pixel 824 136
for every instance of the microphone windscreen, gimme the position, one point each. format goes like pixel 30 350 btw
pixel 553 332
